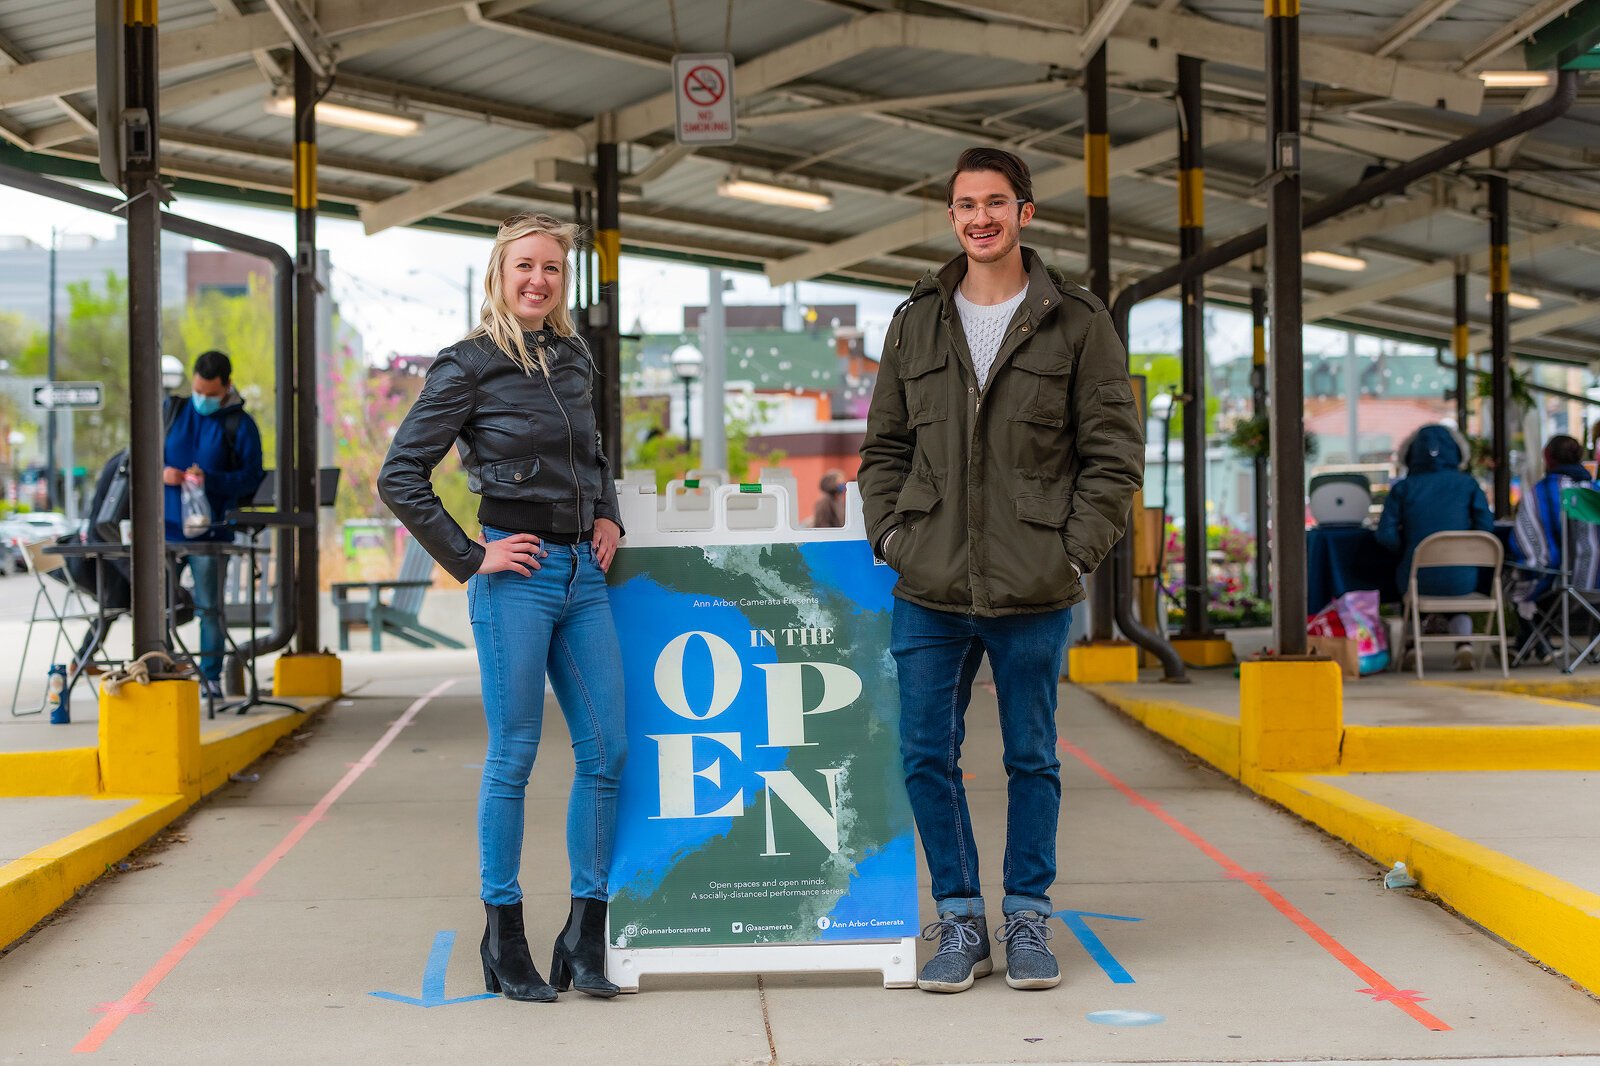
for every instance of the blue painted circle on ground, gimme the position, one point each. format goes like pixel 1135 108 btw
pixel 1125 1018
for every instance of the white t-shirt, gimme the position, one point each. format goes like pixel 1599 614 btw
pixel 985 326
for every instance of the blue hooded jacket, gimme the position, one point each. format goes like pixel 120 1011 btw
pixel 1435 496
pixel 233 469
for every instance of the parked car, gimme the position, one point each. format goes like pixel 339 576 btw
pixel 29 528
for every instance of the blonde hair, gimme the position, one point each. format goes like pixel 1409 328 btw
pixel 496 320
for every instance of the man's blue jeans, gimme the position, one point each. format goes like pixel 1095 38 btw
pixel 557 620
pixel 207 570
pixel 937 653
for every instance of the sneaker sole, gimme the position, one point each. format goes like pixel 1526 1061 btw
pixel 1032 983
pixel 981 969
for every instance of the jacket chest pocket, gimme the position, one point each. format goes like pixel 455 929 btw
pixel 512 471
pixel 926 398
pixel 1041 384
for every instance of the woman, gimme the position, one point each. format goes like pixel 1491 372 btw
pixel 516 397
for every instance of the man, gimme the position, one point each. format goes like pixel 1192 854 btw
pixel 829 511
pixel 211 442
pixel 1002 451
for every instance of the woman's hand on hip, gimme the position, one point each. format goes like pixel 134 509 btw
pixel 606 535
pixel 520 552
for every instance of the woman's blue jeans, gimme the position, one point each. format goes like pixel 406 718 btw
pixel 557 620
pixel 937 653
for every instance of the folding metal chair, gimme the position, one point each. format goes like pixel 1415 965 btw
pixel 59 601
pixel 1457 548
pixel 1580 509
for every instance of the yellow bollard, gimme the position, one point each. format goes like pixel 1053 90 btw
pixel 315 674
pixel 1291 715
pixel 150 739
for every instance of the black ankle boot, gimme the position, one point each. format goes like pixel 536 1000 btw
pixel 507 964
pixel 580 955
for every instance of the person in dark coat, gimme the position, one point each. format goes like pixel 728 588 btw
pixel 1436 495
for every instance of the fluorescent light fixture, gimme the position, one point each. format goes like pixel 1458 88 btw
pixel 772 194
pixel 365 119
pixel 1335 261
pixel 1515 79
pixel 1522 301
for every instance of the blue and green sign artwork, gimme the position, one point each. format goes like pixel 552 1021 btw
pixel 762 800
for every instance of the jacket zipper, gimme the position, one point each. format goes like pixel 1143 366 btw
pixel 572 457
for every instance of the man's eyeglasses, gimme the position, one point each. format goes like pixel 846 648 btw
pixel 966 210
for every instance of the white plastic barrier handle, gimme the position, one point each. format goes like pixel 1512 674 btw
pixel 778 493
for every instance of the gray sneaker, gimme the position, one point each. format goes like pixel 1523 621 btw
pixel 1029 963
pixel 963 954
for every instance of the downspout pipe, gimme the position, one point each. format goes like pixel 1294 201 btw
pixel 283 616
pixel 1390 181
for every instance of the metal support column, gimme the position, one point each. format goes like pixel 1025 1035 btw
pixel 714 379
pixel 141 177
pixel 304 497
pixel 608 330
pixel 1258 408
pixel 1287 415
pixel 1458 345
pixel 1191 238
pixel 1097 184
pixel 1500 341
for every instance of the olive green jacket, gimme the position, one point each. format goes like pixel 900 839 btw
pixel 999 498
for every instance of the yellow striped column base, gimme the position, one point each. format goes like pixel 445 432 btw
pixel 150 739
pixel 1291 715
pixel 1094 664
pixel 1204 651
pixel 318 674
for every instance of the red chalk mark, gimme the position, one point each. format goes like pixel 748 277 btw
pixel 136 1000
pixel 1381 990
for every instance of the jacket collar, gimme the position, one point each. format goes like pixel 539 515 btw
pixel 1043 296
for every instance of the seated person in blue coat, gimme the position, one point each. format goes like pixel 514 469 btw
pixel 1434 495
pixel 1536 538
pixel 212 442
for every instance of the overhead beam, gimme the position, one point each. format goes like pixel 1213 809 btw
pixel 964 96
pixel 1439 270
pixel 1099 29
pixel 1537 325
pixel 225 38
pixel 1347 229
pixel 931 222
pixel 1515 30
pixel 778 67
pixel 1412 23
pixel 304 33
pixel 503 17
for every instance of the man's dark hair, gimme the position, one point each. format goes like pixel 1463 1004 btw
pixel 1563 450
pixel 214 366
pixel 1002 162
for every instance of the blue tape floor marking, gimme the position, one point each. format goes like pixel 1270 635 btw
pixel 433 977
pixel 1077 924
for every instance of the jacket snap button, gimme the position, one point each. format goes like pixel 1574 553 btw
pixel 1024 329
pixel 516 477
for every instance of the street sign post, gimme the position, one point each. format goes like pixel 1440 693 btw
pixel 703 88
pixel 69 396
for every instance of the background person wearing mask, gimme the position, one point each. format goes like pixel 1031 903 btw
pixel 1435 495
pixel 829 511
pixel 213 443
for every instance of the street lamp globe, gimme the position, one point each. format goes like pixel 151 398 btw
pixel 171 373
pixel 686 361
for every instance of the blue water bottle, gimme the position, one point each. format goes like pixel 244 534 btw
pixel 56 696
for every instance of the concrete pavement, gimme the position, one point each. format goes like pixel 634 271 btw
pixel 260 936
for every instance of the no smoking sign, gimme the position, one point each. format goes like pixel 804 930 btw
pixel 703 88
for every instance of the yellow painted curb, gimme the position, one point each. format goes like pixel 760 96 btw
pixel 318 674
pixel 1089 664
pixel 1383 749
pixel 39 882
pixel 1211 736
pixel 1552 920
pixel 63 772
pixel 1573 686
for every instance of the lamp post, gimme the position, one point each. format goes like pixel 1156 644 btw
pixel 686 363
pixel 465 291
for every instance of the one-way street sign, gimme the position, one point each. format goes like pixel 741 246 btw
pixel 69 396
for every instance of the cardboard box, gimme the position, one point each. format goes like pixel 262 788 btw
pixel 1343 650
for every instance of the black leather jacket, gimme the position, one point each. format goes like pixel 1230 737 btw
pixel 523 437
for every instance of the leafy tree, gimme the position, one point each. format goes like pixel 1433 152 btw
pixel 243 328
pixel 664 453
